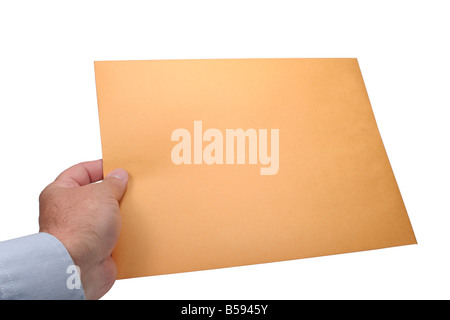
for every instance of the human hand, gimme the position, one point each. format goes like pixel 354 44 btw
pixel 85 217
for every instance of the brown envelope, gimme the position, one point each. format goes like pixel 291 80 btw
pixel 243 161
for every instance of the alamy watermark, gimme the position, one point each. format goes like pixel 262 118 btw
pixel 220 147
pixel 73 280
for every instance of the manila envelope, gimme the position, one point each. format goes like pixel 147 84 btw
pixel 242 161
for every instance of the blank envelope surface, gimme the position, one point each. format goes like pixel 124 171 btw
pixel 242 161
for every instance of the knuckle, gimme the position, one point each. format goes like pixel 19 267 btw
pixel 45 195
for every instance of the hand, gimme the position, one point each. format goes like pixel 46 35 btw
pixel 85 217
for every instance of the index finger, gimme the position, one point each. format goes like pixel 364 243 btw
pixel 82 174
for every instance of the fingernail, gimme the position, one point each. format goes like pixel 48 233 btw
pixel 119 174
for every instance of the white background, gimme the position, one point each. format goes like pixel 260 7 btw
pixel 49 120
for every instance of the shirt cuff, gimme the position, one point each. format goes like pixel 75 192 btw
pixel 38 267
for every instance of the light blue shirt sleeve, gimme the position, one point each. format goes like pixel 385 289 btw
pixel 38 267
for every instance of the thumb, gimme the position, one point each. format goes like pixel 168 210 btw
pixel 116 181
